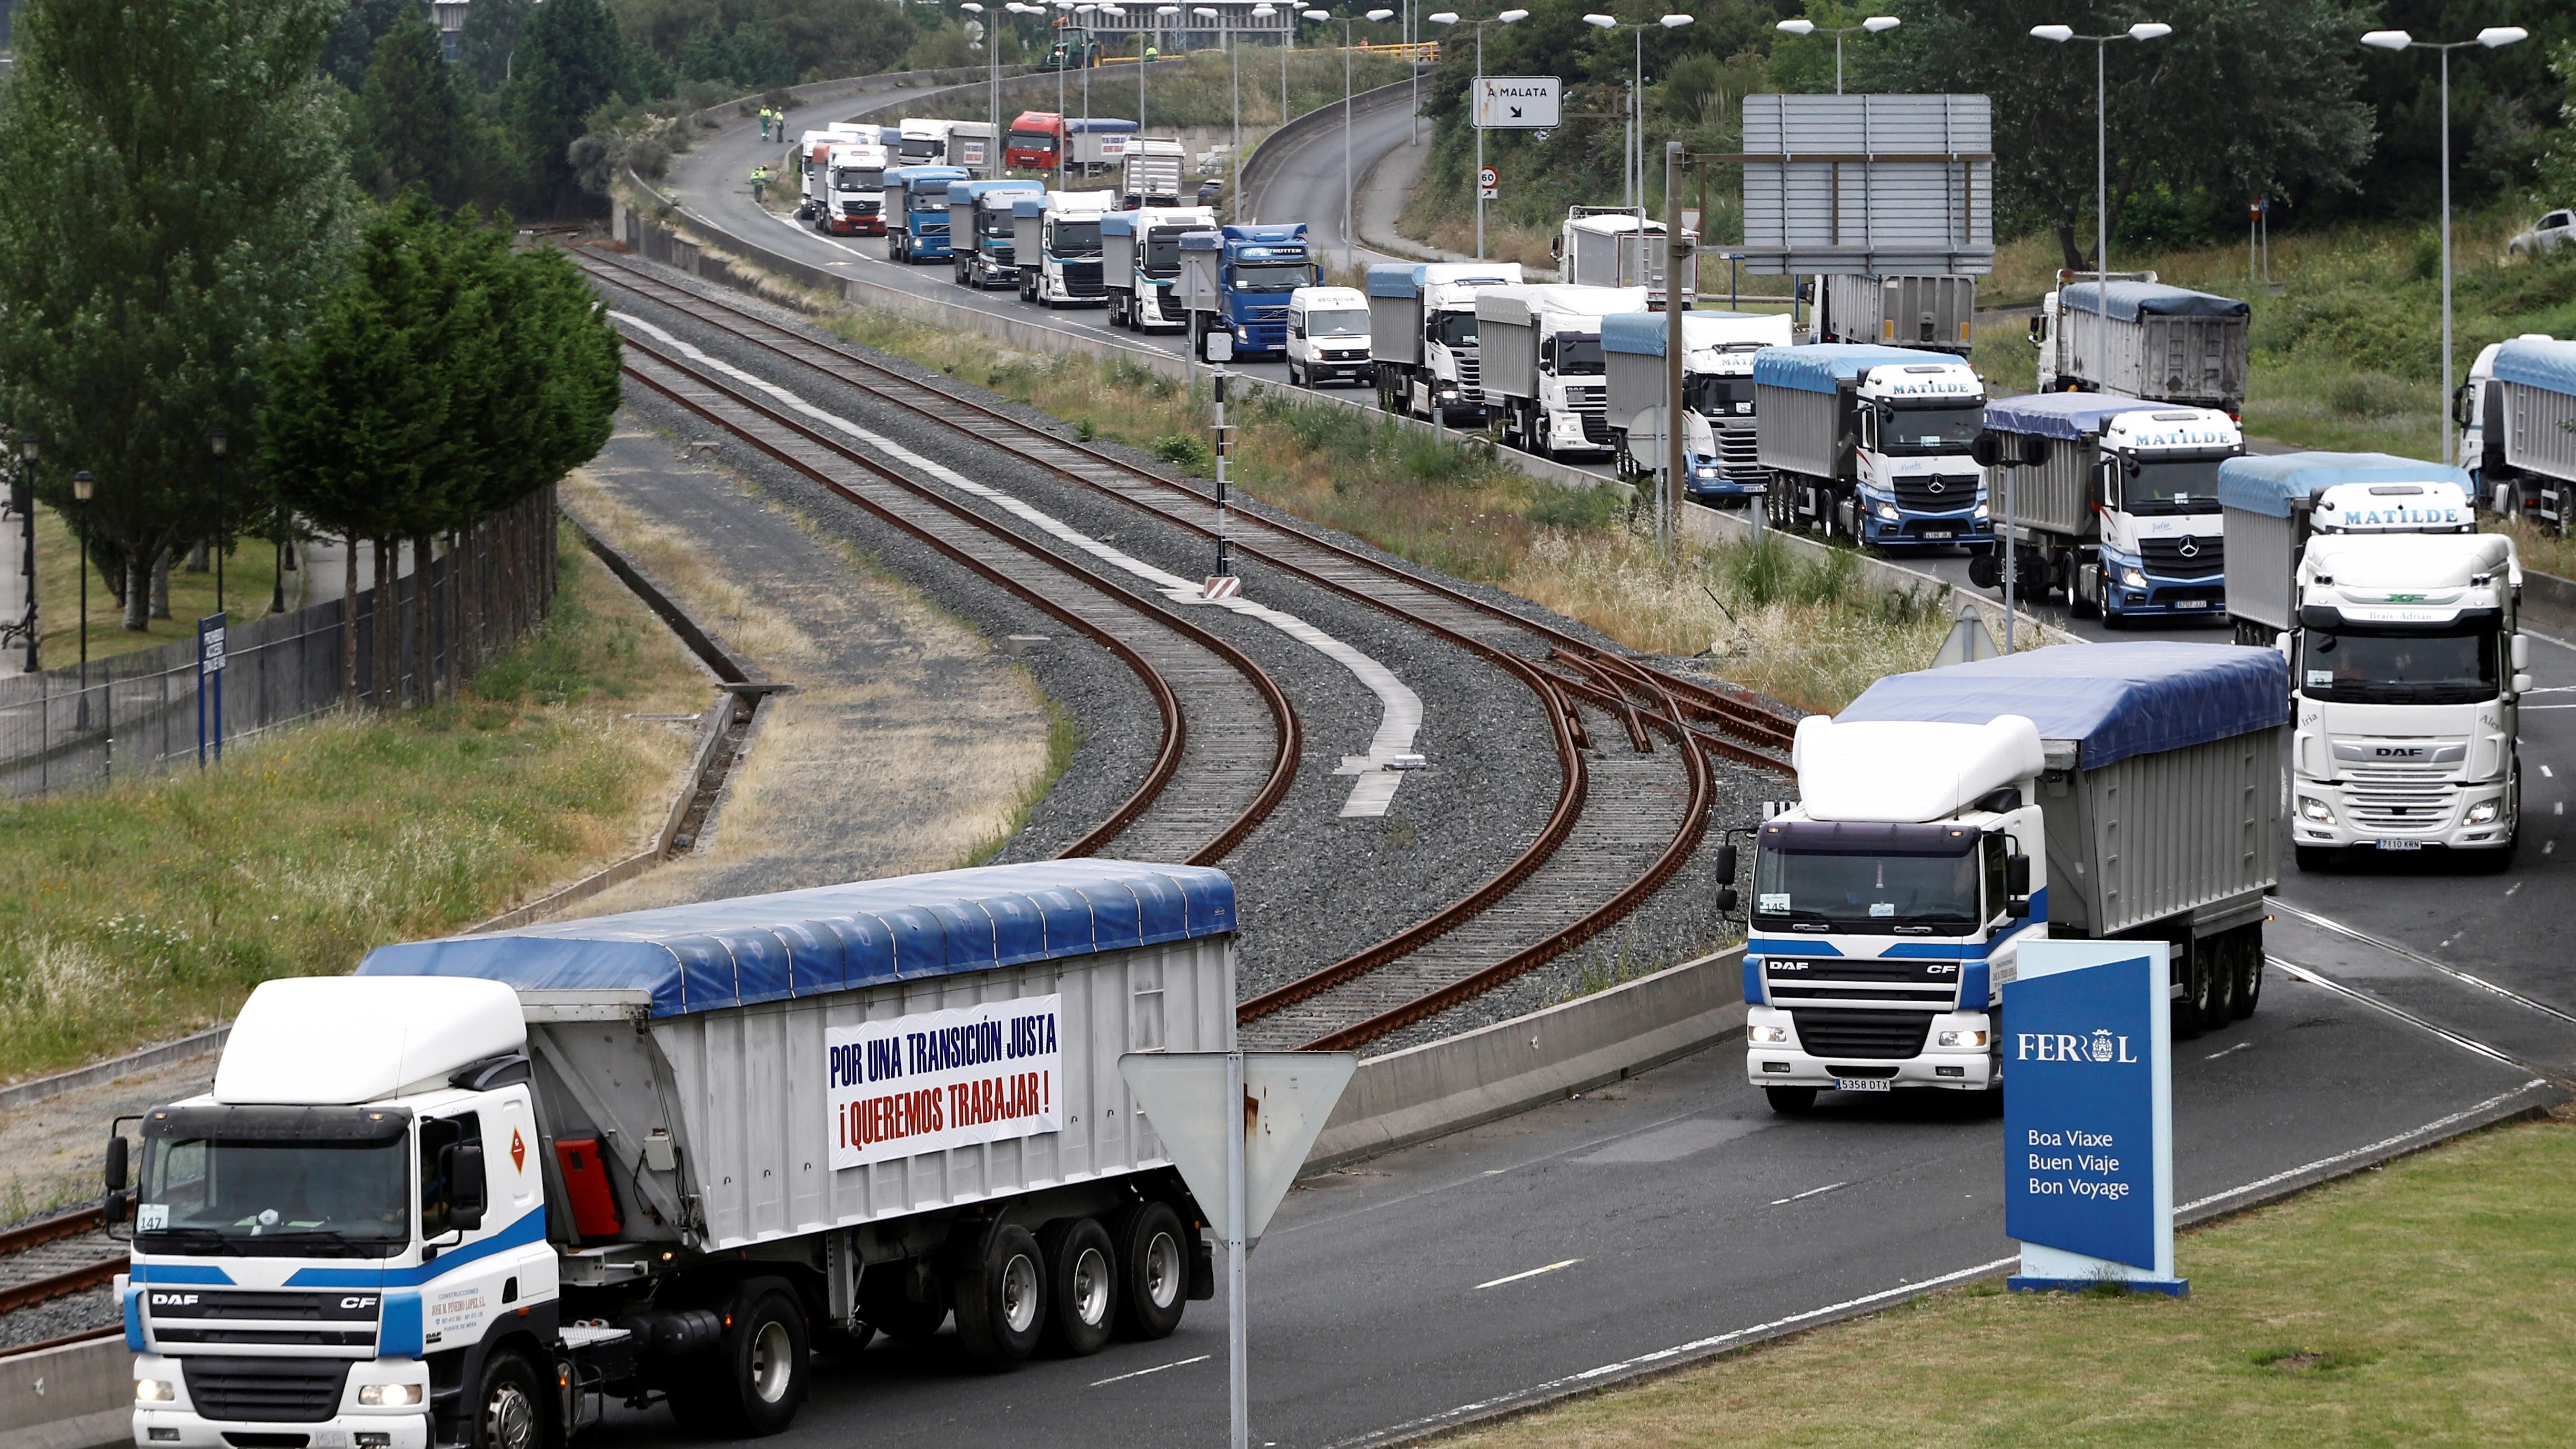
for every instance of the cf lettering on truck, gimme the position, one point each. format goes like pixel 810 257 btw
pixel 489 1185
pixel 2104 791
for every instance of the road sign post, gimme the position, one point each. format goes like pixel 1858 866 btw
pixel 1238 1125
pixel 2088 1116
pixel 1488 183
pixel 210 681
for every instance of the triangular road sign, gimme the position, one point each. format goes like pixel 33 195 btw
pixel 1969 641
pixel 1287 1096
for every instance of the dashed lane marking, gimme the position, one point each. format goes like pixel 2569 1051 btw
pixel 1158 1368
pixel 1810 1192
pixel 1532 1273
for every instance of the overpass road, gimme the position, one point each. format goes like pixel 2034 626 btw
pixel 1672 1213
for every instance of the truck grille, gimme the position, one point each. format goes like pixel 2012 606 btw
pixel 859 208
pixel 2166 559
pixel 1595 410
pixel 1471 379
pixel 1082 279
pixel 1927 494
pixel 1862 1035
pixel 2386 799
pixel 1739 455
pixel 265 1390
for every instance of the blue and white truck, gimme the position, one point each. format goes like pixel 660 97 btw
pixel 980 235
pixel 1871 443
pixel 2089 792
pixel 1236 280
pixel 2517 415
pixel 492 1184
pixel 916 212
pixel 1060 247
pixel 1721 457
pixel 2121 515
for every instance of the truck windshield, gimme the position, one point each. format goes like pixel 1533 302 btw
pixel 1877 893
pixel 923 148
pixel 1578 357
pixel 859 179
pixel 2160 489
pixel 1077 238
pixel 1163 251
pixel 931 201
pixel 2456 665
pixel 1032 141
pixel 1921 432
pixel 1337 324
pixel 997 226
pixel 312 1199
pixel 1273 277
pixel 1718 397
pixel 1454 329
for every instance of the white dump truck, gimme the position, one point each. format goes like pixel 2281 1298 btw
pixel 1058 244
pixel 1543 368
pixel 1602 246
pixel 1935 312
pixel 490 1185
pixel 1721 456
pixel 2518 416
pixel 2128 791
pixel 1328 337
pixel 922 142
pixel 2140 338
pixel 852 200
pixel 1872 443
pixel 2399 620
pixel 2120 511
pixel 1149 173
pixel 1140 259
pixel 1422 335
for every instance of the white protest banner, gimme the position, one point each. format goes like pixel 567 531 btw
pixel 944 1079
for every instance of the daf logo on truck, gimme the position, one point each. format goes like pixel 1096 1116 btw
pixel 173 1300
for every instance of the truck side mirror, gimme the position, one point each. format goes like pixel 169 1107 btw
pixel 1727 897
pixel 2281 642
pixel 1987 449
pixel 466 1193
pixel 116 1164
pixel 2034 450
pixel 2522 684
pixel 2460 404
pixel 2017 886
pixel 2036 326
pixel 2522 651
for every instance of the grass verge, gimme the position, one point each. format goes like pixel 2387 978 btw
pixel 249 572
pixel 2423 1303
pixel 148 909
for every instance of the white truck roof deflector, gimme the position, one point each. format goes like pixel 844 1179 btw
pixel 313 1041
pixel 1897 772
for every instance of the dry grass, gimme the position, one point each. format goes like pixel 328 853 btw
pixel 2421 1304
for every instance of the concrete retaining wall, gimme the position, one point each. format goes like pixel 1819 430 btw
pixel 2549 604
pixel 73 1396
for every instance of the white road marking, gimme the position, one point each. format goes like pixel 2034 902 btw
pixel 2558 807
pixel 1400 708
pixel 2420 959
pixel 2242 1046
pixel 2470 1044
pixel 1158 1368
pixel 802 230
pixel 2436 1125
pixel 1810 1192
pixel 2547 773
pixel 1532 1273
pixel 2509 890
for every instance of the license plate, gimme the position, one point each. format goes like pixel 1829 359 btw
pixel 1862 1084
pixel 2192 603
pixel 1944 534
pixel 2401 845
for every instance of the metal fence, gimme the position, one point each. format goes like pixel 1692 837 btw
pixel 148 710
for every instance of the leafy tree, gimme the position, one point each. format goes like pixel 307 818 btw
pixel 351 46
pixel 414 126
pixel 570 62
pixel 2504 106
pixel 172 195
pixel 490 38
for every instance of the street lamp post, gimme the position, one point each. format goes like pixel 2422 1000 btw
pixel 82 486
pixel 1450 17
pixel 1160 12
pixel 1350 223
pixel 1873 25
pixel 220 440
pixel 1632 164
pixel 992 42
pixel 25 503
pixel 2493 37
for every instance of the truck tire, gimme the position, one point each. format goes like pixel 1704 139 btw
pixel 1082 1286
pixel 754 1381
pixel 886 1304
pixel 510 1408
pixel 2218 1005
pixel 2313 857
pixel 2186 1014
pixel 1985 570
pixel 2249 970
pixel 1001 1298
pixel 1153 1271
pixel 1790 1101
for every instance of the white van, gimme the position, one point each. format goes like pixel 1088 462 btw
pixel 1328 337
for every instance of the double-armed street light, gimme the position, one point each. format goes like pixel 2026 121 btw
pixel 1450 17
pixel 1633 163
pixel 1876 24
pixel 1350 223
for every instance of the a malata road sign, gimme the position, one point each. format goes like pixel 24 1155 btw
pixel 1518 102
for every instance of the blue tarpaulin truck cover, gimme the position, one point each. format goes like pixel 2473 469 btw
pixel 1405 279
pixel 2533 362
pixel 2064 415
pixel 2112 700
pixel 1822 366
pixel 2132 300
pixel 1098 125
pixel 752 949
pixel 2269 484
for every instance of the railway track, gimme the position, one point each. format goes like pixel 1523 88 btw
pixel 51 1257
pixel 1622 825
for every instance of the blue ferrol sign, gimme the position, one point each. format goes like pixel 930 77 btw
pixel 2088 1115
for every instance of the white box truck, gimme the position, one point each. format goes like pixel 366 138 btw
pixel 1328 337
pixel 490 1184
pixel 2128 791
pixel 1721 463
pixel 1422 336
pixel 2399 620
pixel 2121 513
pixel 921 142
pixel 1149 173
pixel 1543 367
pixel 1603 246
pixel 1935 312
pixel 2518 416
pixel 1140 259
pixel 2140 338
pixel 1872 443
pixel 1058 244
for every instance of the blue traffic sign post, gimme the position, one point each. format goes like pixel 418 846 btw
pixel 2088 1116
pixel 210 682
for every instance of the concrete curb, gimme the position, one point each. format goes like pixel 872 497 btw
pixel 70 1396
pixel 195 1045
pixel 2550 602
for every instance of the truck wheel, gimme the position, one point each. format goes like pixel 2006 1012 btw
pixel 1985 570
pixel 2218 1003
pixel 2313 857
pixel 2186 1014
pixel 1082 1286
pixel 754 1381
pixel 1790 1101
pixel 2249 970
pixel 510 1412
pixel 1001 1298
pixel 1153 1271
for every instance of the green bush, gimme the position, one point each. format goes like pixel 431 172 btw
pixel 2369 395
pixel 1185 452
pixel 1593 507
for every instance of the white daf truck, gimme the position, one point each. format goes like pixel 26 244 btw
pixel 490 1185
pixel 2399 620
pixel 1947 816
pixel 1544 369
pixel 1422 336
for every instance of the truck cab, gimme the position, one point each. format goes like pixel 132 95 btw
pixel 1035 141
pixel 922 142
pixel 1872 444
pixel 1060 247
pixel 854 198
pixel 1720 454
pixel 1237 280
pixel 2121 514
pixel 1328 337
pixel 1423 339
pixel 1141 260
pixel 980 230
pixel 919 196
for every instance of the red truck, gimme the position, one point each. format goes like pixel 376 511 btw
pixel 1035 139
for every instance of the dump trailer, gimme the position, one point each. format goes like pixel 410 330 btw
pixel 2120 513
pixel 1149 173
pixel 2147 340
pixel 916 212
pixel 972 144
pixel 2128 791
pixel 2527 459
pixel 1937 313
pixel 981 233
pixel 1543 366
pixel 1096 143
pixel 1872 444
pixel 1610 247
pixel 1422 336
pixel 510 1179
pixel 1140 259
pixel 1721 463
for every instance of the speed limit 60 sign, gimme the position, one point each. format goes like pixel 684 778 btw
pixel 1487 180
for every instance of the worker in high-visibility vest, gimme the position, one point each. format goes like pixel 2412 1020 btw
pixel 760 183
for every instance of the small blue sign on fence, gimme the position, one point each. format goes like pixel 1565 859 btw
pixel 2088 1116
pixel 210 684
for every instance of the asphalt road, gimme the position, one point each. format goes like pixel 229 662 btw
pixel 1675 1208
